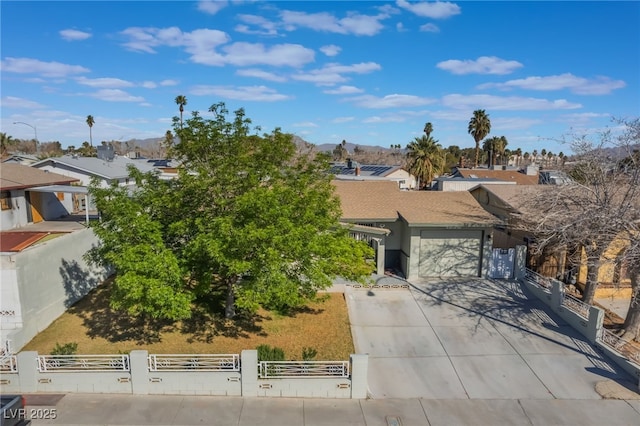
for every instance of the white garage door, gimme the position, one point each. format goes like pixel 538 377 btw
pixel 450 253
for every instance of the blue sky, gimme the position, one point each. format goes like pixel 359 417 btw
pixel 368 72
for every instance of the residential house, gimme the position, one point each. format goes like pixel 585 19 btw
pixel 526 176
pixel 508 203
pixel 421 234
pixel 352 170
pixel 30 195
pixel 19 158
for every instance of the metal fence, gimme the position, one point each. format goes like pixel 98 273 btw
pixel 8 364
pixel 54 363
pixel 200 362
pixel 536 278
pixel 623 347
pixel 575 305
pixel 302 369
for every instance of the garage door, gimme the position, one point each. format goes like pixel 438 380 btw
pixel 450 253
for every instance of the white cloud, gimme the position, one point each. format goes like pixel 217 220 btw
pixel 390 101
pixel 74 35
pixel 169 83
pixel 242 93
pixel 331 74
pixel 15 102
pixel 343 90
pixel 578 85
pixel 482 65
pixel 435 10
pixel 197 42
pixel 305 124
pixel 385 119
pixel 265 75
pixel 105 82
pixel 292 55
pixel 149 85
pixel 342 119
pixel 115 95
pixel 265 26
pixel 212 6
pixel 506 103
pixel 430 28
pixel 400 27
pixel 34 66
pixel 330 49
pixel 353 23
pixel 513 123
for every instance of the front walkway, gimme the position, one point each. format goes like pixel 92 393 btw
pixel 473 339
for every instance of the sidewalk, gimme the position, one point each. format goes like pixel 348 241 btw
pixel 92 409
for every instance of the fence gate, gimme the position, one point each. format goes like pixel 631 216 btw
pixel 502 262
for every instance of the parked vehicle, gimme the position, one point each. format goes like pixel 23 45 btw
pixel 13 411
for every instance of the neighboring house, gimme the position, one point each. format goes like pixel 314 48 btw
pixel 449 183
pixel 420 233
pixel 527 176
pixel 352 170
pixel 108 168
pixel 30 195
pixel 508 202
pixel 25 159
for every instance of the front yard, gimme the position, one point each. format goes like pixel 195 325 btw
pixel 323 326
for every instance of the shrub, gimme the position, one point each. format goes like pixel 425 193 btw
pixel 268 353
pixel 66 349
pixel 308 354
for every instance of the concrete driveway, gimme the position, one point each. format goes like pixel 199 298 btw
pixel 472 339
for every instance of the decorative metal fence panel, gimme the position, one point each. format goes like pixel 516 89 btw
pixel 302 369
pixel 575 305
pixel 536 278
pixel 199 362
pixel 54 363
pixel 624 348
pixel 9 364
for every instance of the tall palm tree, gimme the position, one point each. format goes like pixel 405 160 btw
pixel 181 101
pixel 424 159
pixel 6 142
pixel 90 123
pixel 428 129
pixel 479 128
pixel 518 153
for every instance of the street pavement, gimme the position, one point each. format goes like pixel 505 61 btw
pixel 446 352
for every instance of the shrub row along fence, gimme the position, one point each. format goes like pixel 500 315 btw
pixel 200 374
pixel 587 319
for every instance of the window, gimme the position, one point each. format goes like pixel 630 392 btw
pixel 5 200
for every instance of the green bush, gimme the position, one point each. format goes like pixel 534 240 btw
pixel 267 353
pixel 308 354
pixel 66 349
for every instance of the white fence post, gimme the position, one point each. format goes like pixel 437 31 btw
pixel 138 363
pixel 557 294
pixel 249 372
pixel 359 371
pixel 595 323
pixel 520 266
pixel 28 371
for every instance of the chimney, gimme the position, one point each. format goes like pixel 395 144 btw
pixel 357 169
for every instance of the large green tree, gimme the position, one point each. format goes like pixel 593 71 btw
pixel 247 222
pixel 479 127
pixel 425 159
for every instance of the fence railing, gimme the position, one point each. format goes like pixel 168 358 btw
pixel 9 364
pixel 302 369
pixel 575 305
pixel 536 278
pixel 204 362
pixel 628 350
pixel 54 363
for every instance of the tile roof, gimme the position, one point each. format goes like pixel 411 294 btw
pixel 384 201
pixel 115 169
pixel 18 176
pixel 506 175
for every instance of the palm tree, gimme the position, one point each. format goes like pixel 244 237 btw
pixel 479 128
pixel 424 159
pixel 518 153
pixel 6 142
pixel 496 147
pixel 428 129
pixel 90 123
pixel 181 101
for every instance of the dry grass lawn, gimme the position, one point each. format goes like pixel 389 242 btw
pixel 323 325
